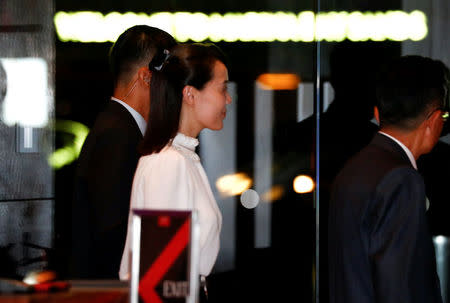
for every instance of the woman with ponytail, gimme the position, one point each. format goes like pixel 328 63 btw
pixel 188 93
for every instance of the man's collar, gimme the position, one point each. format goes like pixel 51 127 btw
pixel 140 121
pixel 403 146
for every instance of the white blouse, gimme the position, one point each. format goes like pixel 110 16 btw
pixel 175 179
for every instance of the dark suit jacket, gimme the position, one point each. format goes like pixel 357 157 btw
pixel 103 182
pixel 380 248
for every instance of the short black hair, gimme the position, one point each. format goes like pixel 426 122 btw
pixel 187 64
pixel 135 48
pixel 408 88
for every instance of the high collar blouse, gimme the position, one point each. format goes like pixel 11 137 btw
pixel 174 179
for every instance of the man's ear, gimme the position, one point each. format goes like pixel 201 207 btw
pixel 188 94
pixel 434 119
pixel 376 114
pixel 144 75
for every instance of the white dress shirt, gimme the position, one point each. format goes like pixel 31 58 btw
pixel 175 179
pixel 140 121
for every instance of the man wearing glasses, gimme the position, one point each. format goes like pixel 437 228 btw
pixel 380 247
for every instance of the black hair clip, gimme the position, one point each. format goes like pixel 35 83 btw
pixel 159 60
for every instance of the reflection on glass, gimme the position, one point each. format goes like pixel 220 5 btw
pixel 303 184
pixel 27 100
pixel 68 153
pixel 234 184
pixel 279 81
pixel 275 193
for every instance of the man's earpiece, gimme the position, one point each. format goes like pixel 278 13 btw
pixel 147 80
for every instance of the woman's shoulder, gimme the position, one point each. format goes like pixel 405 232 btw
pixel 168 153
pixel 159 180
pixel 168 159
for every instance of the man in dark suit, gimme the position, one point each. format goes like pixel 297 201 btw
pixel 380 248
pixel 109 157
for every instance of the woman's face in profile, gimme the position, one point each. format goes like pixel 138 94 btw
pixel 210 105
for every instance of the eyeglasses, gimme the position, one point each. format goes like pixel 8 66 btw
pixel 444 114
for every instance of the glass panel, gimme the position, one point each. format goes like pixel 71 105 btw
pixel 26 138
pixel 435 165
pixel 372 33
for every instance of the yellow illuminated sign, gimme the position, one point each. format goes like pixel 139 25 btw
pixel 305 26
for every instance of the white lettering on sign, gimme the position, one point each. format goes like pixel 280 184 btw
pixel 175 289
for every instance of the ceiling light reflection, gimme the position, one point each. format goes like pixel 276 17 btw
pixel 303 184
pixel 233 184
pixel 279 81
pixel 275 193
